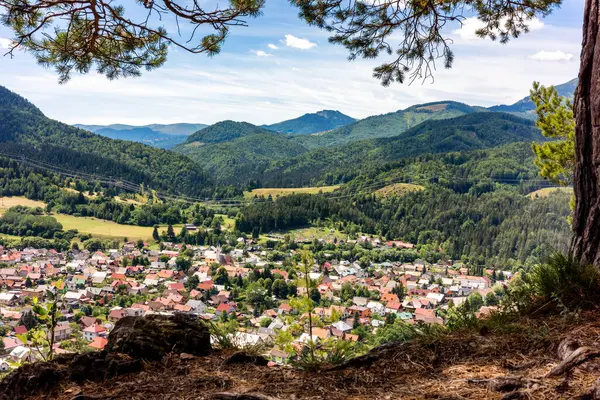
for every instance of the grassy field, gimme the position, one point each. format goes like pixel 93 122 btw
pixel 8 202
pixel 276 192
pixel 85 193
pixel 107 229
pixel 310 234
pixel 228 223
pixel 398 189
pixel 6 236
pixel 541 193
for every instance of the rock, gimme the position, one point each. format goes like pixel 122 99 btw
pixel 153 336
pixel 31 378
pixel 243 357
pixel 186 356
pixel 100 366
pixel 45 376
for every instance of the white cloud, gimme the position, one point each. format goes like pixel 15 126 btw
pixel 298 43
pixel 5 43
pixel 472 24
pixel 273 47
pixel 551 56
pixel 261 53
pixel 262 92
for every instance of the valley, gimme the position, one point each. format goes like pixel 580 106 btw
pixel 421 217
pixel 299 200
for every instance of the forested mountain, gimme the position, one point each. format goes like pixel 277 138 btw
pixel 312 123
pixel 388 125
pixel 26 132
pixel 242 159
pixel 474 206
pixel 224 131
pixel 236 153
pixel 501 227
pixel 525 106
pixel 334 164
pixel 476 171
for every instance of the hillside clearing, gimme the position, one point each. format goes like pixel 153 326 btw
pixel 398 189
pixel 434 107
pixel 85 193
pixel 276 192
pixel 545 192
pixel 228 223
pixel 8 202
pixel 307 234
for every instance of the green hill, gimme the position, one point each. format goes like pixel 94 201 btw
pixel 243 159
pixel 25 131
pixel 388 125
pixel 312 123
pixel 225 131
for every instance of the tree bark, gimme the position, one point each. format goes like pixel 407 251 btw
pixel 586 217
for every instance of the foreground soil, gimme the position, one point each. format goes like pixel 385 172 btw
pixel 464 365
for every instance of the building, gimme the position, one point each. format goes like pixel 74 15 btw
pixel 92 332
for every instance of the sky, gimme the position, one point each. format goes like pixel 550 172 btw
pixel 279 68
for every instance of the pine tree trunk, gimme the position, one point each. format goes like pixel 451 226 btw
pixel 586 218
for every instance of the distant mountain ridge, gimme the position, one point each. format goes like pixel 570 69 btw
pixel 180 129
pixel 388 125
pixel 525 106
pixel 307 124
pixel 156 135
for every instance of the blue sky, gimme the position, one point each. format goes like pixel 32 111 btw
pixel 279 68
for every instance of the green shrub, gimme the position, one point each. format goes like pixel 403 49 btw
pixel 563 279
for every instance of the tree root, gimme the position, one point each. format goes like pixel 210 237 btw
pixel 572 355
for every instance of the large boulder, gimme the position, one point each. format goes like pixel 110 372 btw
pixel 153 336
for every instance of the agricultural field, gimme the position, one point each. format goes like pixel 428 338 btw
pixel 398 189
pixel 545 192
pixel 276 192
pixel 8 202
pixel 108 229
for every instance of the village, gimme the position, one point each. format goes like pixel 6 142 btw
pixel 258 301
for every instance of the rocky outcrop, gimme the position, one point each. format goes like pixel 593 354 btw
pixel 153 336
pixel 44 376
pixel 132 340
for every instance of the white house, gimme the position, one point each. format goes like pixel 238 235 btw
pixel 93 331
